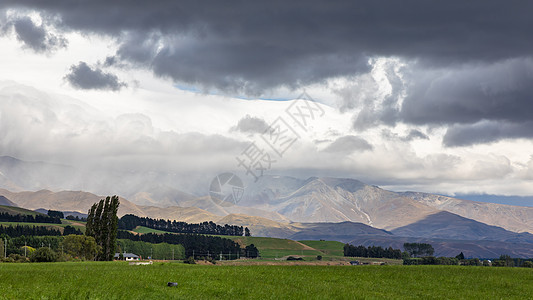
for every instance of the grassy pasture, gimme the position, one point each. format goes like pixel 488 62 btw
pixel 142 229
pixel 118 280
pixel 331 248
pixel 270 248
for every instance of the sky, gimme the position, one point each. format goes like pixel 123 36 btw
pixel 407 95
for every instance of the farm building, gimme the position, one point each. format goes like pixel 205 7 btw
pixel 127 256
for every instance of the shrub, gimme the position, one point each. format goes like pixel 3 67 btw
pixel 471 262
pixel 29 250
pixel 450 261
pixel 18 258
pixel 319 257
pixel 498 263
pixel 211 260
pixel 429 260
pixel 294 258
pixel 412 261
pixel 527 264
pixel 190 260
pixel 43 254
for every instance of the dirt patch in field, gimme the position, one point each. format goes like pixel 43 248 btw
pixel 305 247
pixel 77 224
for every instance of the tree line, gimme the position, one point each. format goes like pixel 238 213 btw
pixel 55 214
pixel 418 249
pixel 15 244
pixel 196 245
pixel 372 251
pixel 38 218
pixel 18 230
pixel 129 222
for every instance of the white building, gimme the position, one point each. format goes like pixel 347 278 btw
pixel 127 256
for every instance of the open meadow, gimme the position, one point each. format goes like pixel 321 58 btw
pixel 118 280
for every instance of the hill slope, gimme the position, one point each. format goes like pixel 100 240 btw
pixel 514 218
pixel 335 231
pixel 13 210
pixel 6 202
pixel 65 201
pixel 445 225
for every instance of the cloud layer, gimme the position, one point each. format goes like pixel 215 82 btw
pixel 253 46
pixel 427 92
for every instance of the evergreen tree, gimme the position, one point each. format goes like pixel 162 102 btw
pixel 251 251
pixel 418 249
pixel 56 214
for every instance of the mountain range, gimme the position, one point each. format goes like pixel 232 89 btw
pixel 341 209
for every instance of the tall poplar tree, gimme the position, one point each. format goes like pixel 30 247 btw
pixel 102 224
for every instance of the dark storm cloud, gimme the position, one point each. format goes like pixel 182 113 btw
pixel 250 124
pixel 479 103
pixel 501 91
pixel 486 132
pixel 36 37
pixel 348 144
pixel 82 76
pixel 250 46
pixel 468 61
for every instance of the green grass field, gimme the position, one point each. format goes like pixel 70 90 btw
pixel 270 248
pixel 117 280
pixel 142 229
pixel 332 248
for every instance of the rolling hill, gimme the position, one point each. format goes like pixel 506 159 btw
pixel 335 231
pixel 510 217
pixel 445 225
pixel 13 210
pixel 6 202
pixel 64 201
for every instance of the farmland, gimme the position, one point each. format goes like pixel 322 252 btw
pixel 142 229
pixel 330 248
pixel 118 280
pixel 64 222
pixel 271 248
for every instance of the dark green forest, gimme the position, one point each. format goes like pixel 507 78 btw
pixel 7 217
pixel 129 222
